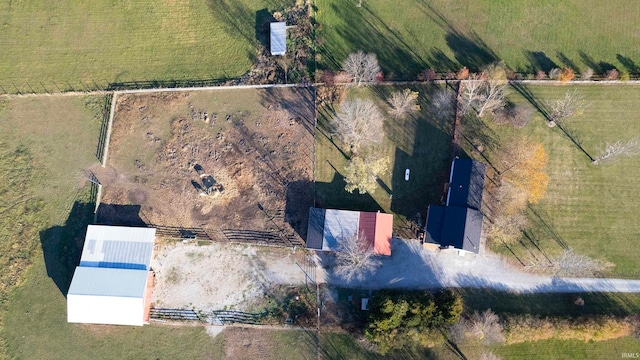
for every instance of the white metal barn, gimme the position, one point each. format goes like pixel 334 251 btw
pixel 278 38
pixel 113 283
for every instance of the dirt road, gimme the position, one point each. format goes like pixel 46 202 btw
pixel 411 267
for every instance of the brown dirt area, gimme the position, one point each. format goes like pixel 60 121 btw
pixel 167 147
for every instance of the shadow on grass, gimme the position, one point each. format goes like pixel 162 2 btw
pixel 551 304
pixel 62 245
pixel 539 61
pixel 332 195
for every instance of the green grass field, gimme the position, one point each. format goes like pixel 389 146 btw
pixel 419 142
pixel 409 36
pixel 587 207
pixel 70 44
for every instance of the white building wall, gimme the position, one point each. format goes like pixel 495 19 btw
pixel 111 310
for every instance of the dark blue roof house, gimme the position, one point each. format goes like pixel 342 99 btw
pixel 458 224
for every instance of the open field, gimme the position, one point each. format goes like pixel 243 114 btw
pixel 409 35
pixel 587 207
pixel 166 149
pixel 420 142
pixel 70 44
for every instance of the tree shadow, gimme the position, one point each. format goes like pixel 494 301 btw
pixel 62 245
pixel 628 64
pixel 598 67
pixel 539 61
pixel 468 47
pixel 332 195
pixel 567 62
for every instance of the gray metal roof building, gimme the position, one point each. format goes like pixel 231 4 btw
pixel 118 247
pixel 278 38
pixel 108 282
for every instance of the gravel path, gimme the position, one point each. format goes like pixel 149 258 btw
pixel 411 267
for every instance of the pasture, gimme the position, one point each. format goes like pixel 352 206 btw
pixel 590 208
pixel 70 44
pixel 409 36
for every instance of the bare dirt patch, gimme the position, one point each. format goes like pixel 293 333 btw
pixel 237 159
pixel 221 275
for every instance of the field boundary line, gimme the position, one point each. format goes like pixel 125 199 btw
pixel 112 111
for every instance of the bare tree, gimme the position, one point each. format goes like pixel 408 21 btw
pixel 554 73
pixel 362 173
pixel 518 116
pixel 483 95
pixel 358 123
pixel 402 103
pixel 484 326
pixel 443 102
pixel 561 110
pixel 619 149
pixel 587 74
pixel 362 68
pixel 569 263
pixel 507 228
pixel 355 257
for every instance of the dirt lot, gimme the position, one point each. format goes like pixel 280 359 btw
pixel 167 149
pixel 221 275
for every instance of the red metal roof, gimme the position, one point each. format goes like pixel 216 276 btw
pixel 377 229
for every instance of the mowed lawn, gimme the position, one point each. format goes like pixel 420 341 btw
pixel 70 44
pixel 410 35
pixel 590 208
pixel 419 142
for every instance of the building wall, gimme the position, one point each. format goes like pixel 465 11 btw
pixel 91 309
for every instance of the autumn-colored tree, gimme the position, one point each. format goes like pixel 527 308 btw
pixel 524 162
pixel 566 74
pixel 462 73
pixel 362 173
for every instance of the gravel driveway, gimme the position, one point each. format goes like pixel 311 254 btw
pixel 411 267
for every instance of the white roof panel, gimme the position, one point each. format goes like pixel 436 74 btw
pixel 118 247
pixel 338 224
pixel 94 281
pixel 278 38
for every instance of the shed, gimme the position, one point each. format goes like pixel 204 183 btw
pixel 113 282
pixel 328 226
pixel 108 296
pixel 278 38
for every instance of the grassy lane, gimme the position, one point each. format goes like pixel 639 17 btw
pixel 67 44
pixel 409 35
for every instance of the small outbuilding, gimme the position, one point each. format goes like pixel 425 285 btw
pixel 113 283
pixel 328 226
pixel 278 38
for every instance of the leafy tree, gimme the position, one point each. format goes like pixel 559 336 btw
pixel 355 258
pixel 524 162
pixel 566 74
pixel 362 173
pixel 363 68
pixel 358 123
pixel 402 103
pixel 395 317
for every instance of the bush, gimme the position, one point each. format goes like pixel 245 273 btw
pixel 527 328
pixel 462 74
pixel 611 74
pixel 566 75
pixel 624 76
pixel 587 74
pixel 554 73
pixel 541 75
pixel 485 327
pixel 428 75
